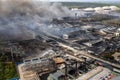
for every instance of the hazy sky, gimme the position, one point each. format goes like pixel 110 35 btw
pixel 84 0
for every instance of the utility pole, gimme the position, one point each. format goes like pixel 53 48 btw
pixel 66 71
pixel 76 68
pixel 12 53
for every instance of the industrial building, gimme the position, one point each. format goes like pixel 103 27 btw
pixel 79 44
pixel 99 73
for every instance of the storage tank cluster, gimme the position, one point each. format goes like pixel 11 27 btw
pixel 104 9
pixel 89 11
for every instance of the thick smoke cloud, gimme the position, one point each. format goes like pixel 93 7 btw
pixel 19 19
pixel 32 7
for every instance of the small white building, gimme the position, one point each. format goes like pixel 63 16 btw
pixel 88 44
pixel 99 73
pixel 102 32
pixel 65 36
pixel 117 34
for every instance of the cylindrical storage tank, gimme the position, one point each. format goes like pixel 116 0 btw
pixel 89 10
pixel 106 8
pixel 98 10
pixel 114 8
pixel 65 36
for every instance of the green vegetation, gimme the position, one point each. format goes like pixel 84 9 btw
pixel 7 70
pixel 84 4
pixel 87 4
pixel 117 4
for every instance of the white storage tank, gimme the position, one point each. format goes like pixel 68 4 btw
pixel 98 10
pixel 89 10
pixel 114 8
pixel 106 8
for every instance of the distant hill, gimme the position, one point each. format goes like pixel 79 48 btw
pixel 88 4
pixel 112 2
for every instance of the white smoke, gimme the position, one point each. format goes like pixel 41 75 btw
pixel 33 7
pixel 19 19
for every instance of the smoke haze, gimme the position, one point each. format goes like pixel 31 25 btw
pixel 19 19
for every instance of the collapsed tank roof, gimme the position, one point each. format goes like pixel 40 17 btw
pixel 89 9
